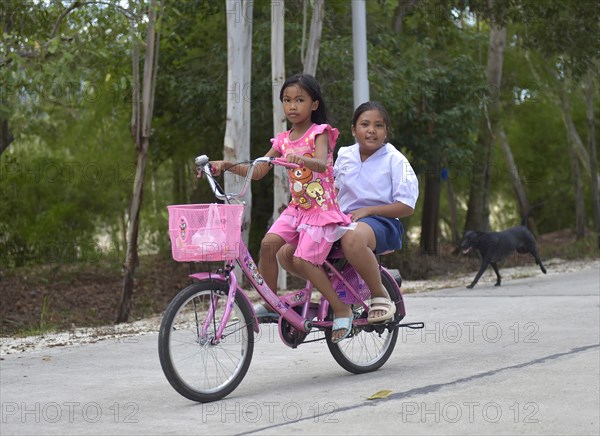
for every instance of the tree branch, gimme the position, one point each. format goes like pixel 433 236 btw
pixel 75 5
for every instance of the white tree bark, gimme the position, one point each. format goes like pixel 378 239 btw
pixel 280 180
pixel 314 38
pixel 237 127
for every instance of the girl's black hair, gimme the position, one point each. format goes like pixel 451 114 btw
pixel 368 106
pixel 310 85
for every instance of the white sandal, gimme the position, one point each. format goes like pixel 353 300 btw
pixel 384 304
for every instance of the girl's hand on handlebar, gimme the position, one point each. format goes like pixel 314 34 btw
pixel 217 167
pixel 296 159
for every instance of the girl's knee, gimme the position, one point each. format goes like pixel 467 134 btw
pixel 270 245
pixel 285 256
pixel 351 241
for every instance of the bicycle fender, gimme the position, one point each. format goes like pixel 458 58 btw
pixel 213 276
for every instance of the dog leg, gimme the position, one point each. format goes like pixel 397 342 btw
pixel 538 261
pixel 498 278
pixel 484 266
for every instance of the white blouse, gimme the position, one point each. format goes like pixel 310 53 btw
pixel 385 177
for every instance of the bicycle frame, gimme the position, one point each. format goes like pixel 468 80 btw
pixel 285 304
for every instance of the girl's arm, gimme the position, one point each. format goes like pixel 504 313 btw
pixel 318 163
pixel 261 170
pixel 393 210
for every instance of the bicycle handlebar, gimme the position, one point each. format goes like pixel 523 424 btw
pixel 203 166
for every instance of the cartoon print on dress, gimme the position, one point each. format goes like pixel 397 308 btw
pixel 315 190
pixel 304 203
pixel 300 176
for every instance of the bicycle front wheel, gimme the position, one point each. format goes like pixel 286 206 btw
pixel 367 348
pixel 197 365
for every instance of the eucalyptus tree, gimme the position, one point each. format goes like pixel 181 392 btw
pixel 564 39
pixel 237 125
pixel 280 181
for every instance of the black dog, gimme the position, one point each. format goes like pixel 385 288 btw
pixel 495 246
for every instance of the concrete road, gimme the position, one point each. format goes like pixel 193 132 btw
pixel 520 359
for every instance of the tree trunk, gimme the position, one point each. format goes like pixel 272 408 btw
pixel 404 6
pixel 579 201
pixel 142 143
pixel 314 38
pixel 431 211
pixel 589 101
pixel 578 154
pixel 237 126
pixel 281 194
pixel 5 136
pixel 575 146
pixel 516 179
pixel 180 195
pixel 478 213
pixel 453 213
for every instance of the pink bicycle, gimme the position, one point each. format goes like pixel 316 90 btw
pixel 206 337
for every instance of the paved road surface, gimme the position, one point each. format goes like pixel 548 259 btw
pixel 520 359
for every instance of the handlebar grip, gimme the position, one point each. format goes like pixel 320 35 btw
pixel 284 163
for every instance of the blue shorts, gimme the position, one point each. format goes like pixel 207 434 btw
pixel 388 232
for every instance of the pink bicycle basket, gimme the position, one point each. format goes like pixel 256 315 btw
pixel 205 232
pixel 354 280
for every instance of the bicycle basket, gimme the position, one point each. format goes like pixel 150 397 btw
pixel 351 276
pixel 205 232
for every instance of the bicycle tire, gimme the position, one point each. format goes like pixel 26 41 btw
pixel 366 350
pixel 197 368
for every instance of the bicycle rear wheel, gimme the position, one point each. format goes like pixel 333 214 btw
pixel 198 367
pixel 367 348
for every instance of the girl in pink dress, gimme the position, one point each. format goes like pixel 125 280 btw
pixel 313 221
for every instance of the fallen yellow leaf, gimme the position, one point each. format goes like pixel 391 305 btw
pixel 381 394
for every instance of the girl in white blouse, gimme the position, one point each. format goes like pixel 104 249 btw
pixel 376 186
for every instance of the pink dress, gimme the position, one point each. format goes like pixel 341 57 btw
pixel 313 206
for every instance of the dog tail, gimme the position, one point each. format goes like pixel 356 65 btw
pixel 525 220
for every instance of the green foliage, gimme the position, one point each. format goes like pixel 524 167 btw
pixel 569 29
pixel 66 180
